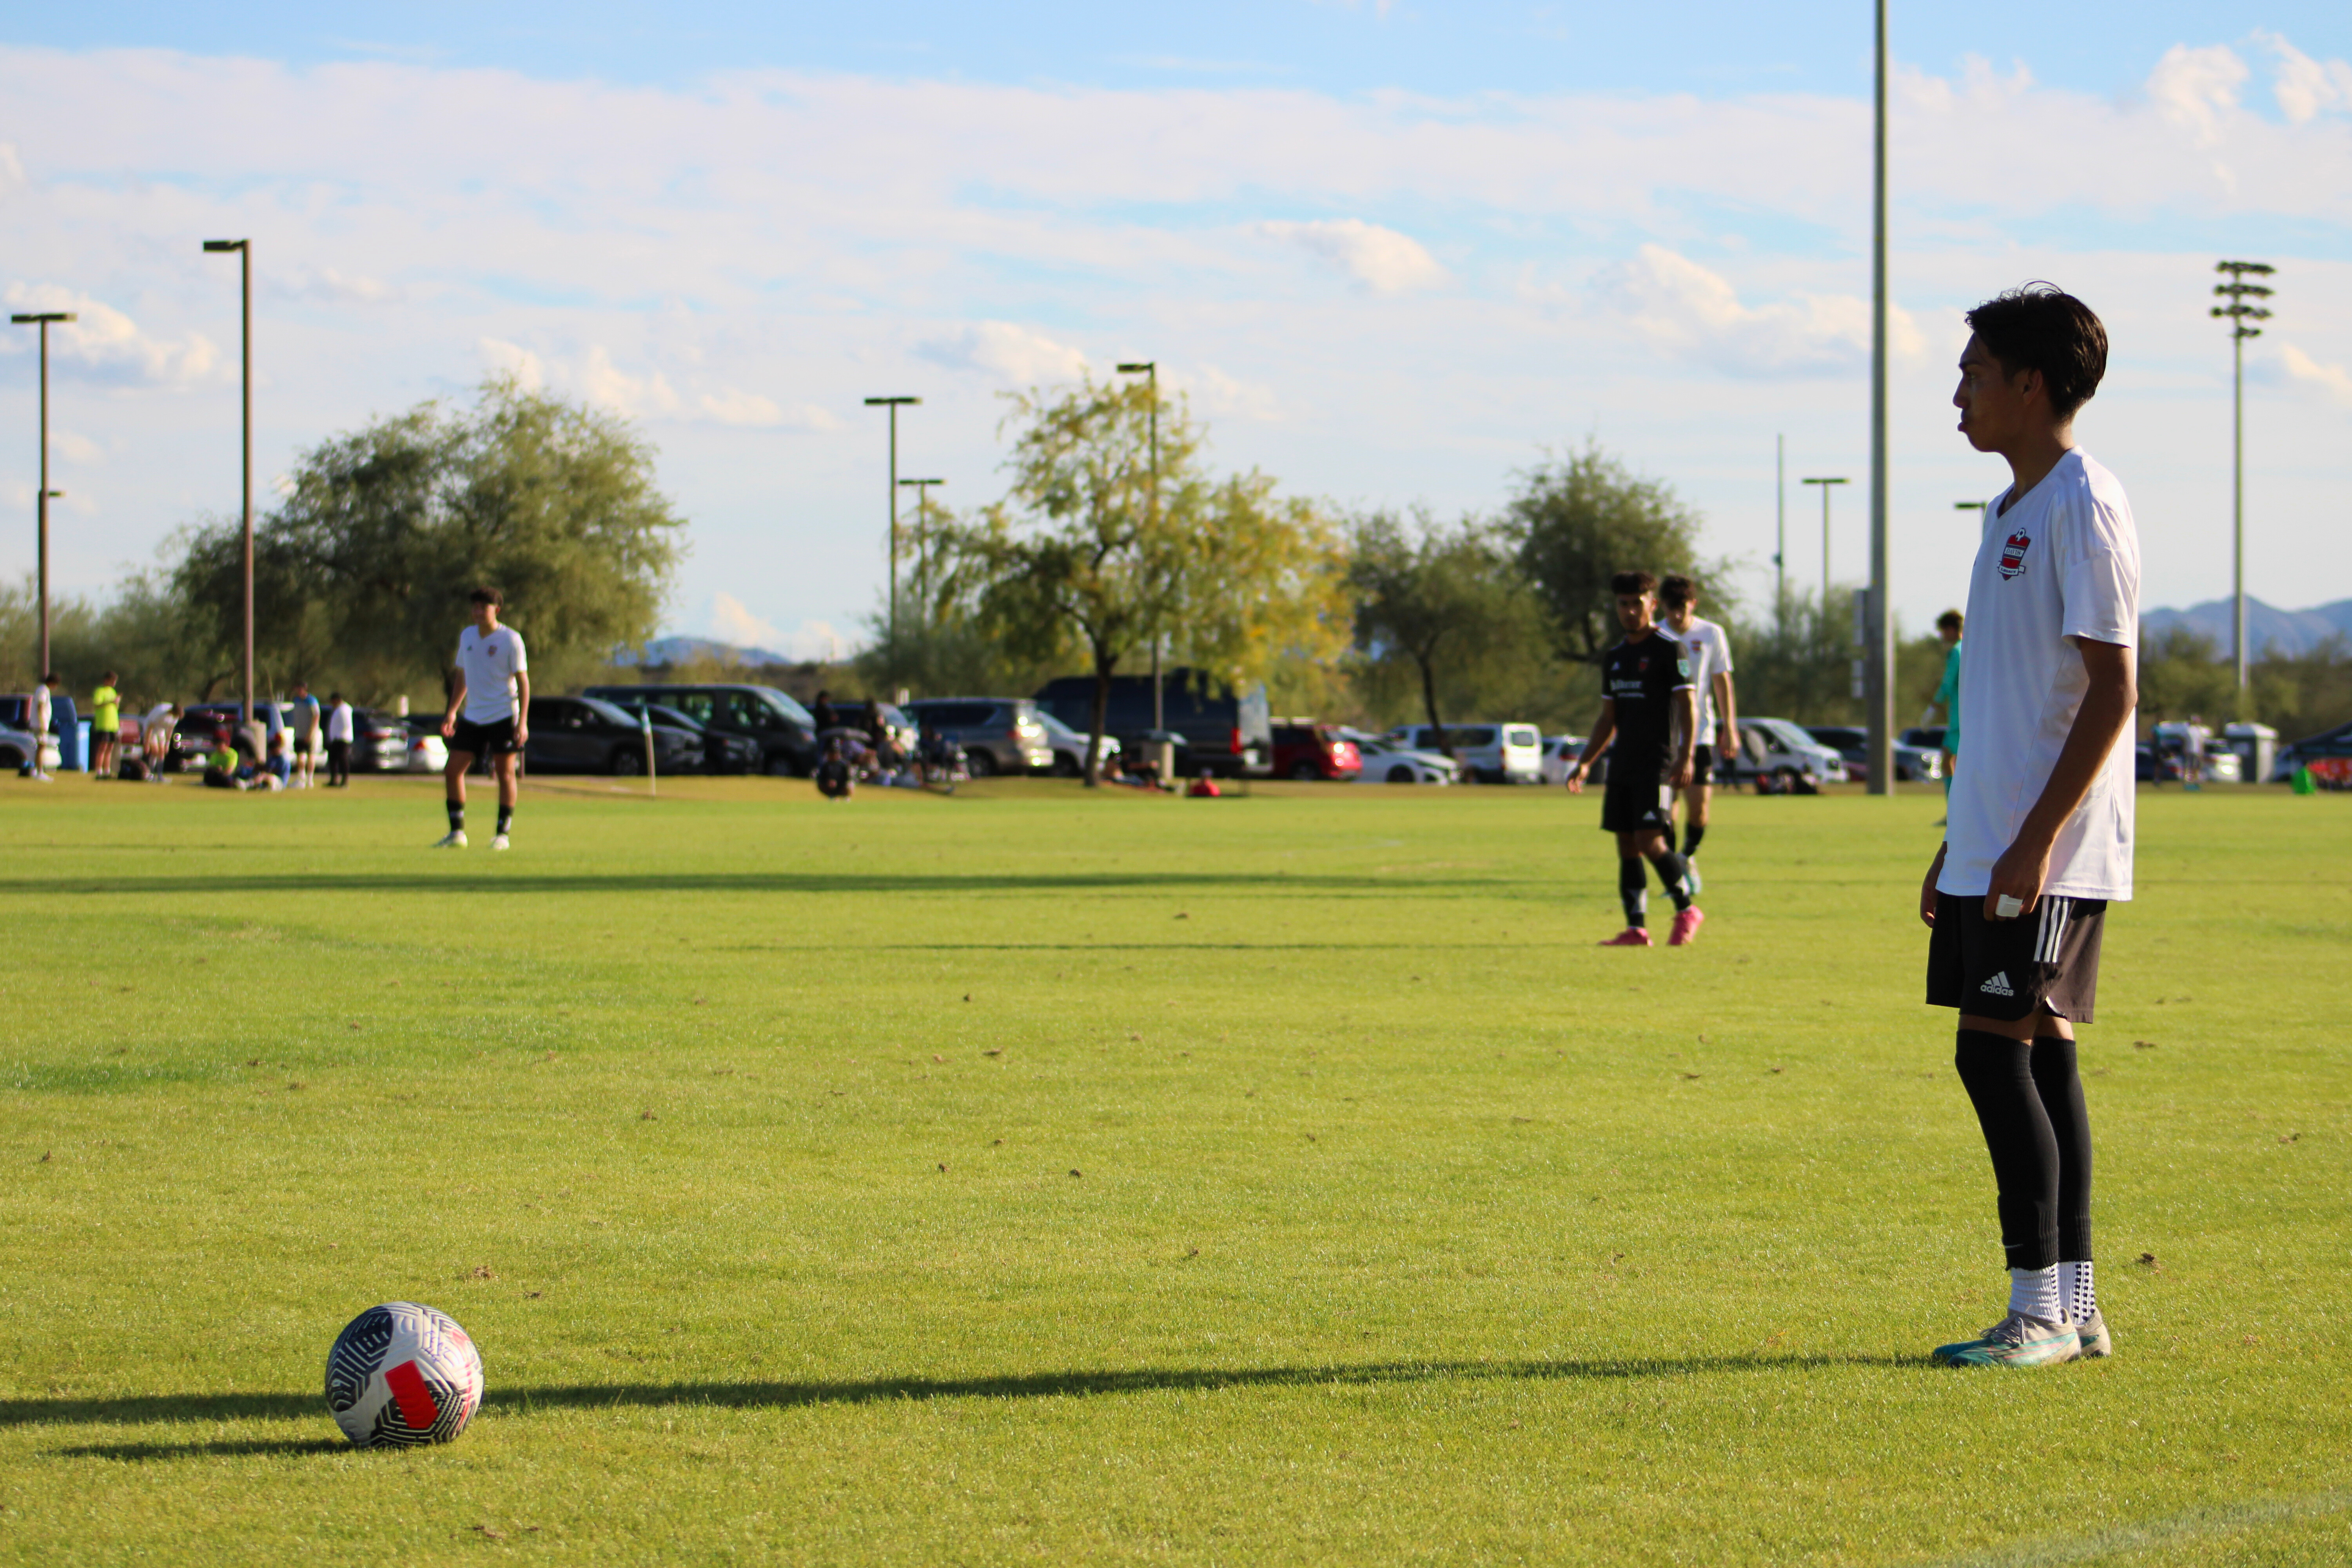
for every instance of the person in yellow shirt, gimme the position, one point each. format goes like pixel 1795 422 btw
pixel 105 726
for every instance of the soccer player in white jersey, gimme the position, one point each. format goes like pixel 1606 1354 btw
pixel 1718 708
pixel 2040 835
pixel 489 714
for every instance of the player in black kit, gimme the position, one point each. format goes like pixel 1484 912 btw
pixel 1649 706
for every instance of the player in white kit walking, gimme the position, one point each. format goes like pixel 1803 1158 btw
pixel 1718 711
pixel 488 714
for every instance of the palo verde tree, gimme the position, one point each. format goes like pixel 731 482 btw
pixel 363 570
pixel 1443 603
pixel 1578 522
pixel 1082 559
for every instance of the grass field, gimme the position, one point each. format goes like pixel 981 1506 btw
pixel 1035 1176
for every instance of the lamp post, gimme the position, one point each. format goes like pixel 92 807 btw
pixel 43 319
pixel 893 405
pixel 1825 484
pixel 243 248
pixel 922 488
pixel 2239 314
pixel 1878 659
pixel 1780 526
pixel 1149 370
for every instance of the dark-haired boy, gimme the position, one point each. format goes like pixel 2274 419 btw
pixel 1709 651
pixel 1647 709
pixel 2040 834
pixel 493 690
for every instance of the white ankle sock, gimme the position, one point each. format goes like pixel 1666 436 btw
pixel 2035 1292
pixel 2075 1291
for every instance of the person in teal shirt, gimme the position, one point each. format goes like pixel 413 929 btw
pixel 1948 694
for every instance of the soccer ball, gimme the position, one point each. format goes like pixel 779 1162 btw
pixel 402 1374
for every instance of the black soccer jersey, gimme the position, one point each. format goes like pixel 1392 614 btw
pixel 1640 678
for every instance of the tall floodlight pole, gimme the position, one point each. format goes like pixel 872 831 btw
pixel 1150 370
pixel 1825 484
pixel 2240 315
pixel 1878 661
pixel 922 488
pixel 43 319
pixel 893 405
pixel 243 248
pixel 1779 525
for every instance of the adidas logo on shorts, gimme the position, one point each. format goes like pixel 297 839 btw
pixel 1997 985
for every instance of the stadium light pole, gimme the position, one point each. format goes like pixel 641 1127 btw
pixel 1825 484
pixel 922 488
pixel 2239 314
pixel 44 319
pixel 243 248
pixel 1150 369
pixel 1781 526
pixel 1878 666
pixel 893 405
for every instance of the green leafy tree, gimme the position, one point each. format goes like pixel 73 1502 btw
pixel 1578 520
pixel 1082 561
pixel 361 573
pixel 1447 607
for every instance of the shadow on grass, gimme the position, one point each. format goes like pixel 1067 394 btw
pixel 945 885
pixel 149 1453
pixel 1028 1385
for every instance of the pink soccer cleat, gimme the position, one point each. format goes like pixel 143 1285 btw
pixel 1632 936
pixel 1687 924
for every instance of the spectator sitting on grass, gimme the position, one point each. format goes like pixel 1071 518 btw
pixel 835 781
pixel 280 766
pixel 222 764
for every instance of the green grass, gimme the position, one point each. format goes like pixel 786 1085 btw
pixel 1036 1177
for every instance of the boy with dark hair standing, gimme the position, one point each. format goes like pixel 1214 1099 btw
pixel 493 689
pixel 2040 835
pixel 105 726
pixel 1646 706
pixel 1718 711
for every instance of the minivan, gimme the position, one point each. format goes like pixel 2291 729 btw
pixel 1213 730
pixel 783 729
pixel 1493 753
pixel 998 734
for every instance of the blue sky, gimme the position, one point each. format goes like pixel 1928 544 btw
pixel 1389 252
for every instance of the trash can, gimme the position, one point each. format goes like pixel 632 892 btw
pixel 67 724
pixel 2257 749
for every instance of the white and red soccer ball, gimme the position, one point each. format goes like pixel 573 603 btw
pixel 401 1375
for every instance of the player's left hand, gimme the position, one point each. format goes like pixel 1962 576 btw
pixel 522 736
pixel 1682 775
pixel 1576 781
pixel 2019 873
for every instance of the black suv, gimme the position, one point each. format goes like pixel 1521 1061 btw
pixel 583 735
pixel 783 728
pixel 1214 731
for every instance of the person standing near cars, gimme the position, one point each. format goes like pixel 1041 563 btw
pixel 105 726
pixel 492 693
pixel 1947 692
pixel 338 741
pixel 37 718
pixel 1718 710
pixel 303 718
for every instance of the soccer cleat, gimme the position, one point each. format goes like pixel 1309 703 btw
pixel 499 842
pixel 1690 870
pixel 2097 1344
pixel 1632 936
pixel 2017 1340
pixel 454 840
pixel 1687 924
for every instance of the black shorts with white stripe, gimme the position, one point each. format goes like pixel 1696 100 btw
pixel 2045 961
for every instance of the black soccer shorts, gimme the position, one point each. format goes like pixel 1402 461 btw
pixel 2045 961
pixel 1635 802
pixel 1702 765
pixel 492 739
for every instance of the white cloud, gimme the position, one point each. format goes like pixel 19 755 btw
pixel 12 169
pixel 325 285
pixel 1009 352
pixel 1223 396
pixel 2333 380
pixel 503 358
pixel 2305 87
pixel 1683 307
pixel 78 448
pixel 1381 260
pixel 107 346
pixel 730 621
pixel 733 406
pixel 630 396
pixel 2197 88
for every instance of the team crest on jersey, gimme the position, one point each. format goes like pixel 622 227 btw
pixel 1681 667
pixel 2013 554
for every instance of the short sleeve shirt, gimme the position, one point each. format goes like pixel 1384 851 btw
pixel 1640 679
pixel 1710 655
pixel 339 721
pixel 2060 565
pixel 105 709
pixel 490 665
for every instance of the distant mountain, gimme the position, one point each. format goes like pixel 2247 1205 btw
pixel 2290 631
pixel 677 650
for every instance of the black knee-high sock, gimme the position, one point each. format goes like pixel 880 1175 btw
pixel 1675 876
pixel 1633 891
pixel 1670 835
pixel 2060 1087
pixel 1691 835
pixel 506 816
pixel 456 817
pixel 1999 1076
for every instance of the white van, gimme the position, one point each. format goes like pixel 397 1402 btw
pixel 1491 753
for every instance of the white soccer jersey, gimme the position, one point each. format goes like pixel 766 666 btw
pixel 1710 655
pixel 2063 563
pixel 490 665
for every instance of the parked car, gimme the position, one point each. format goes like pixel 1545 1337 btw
pixel 379 743
pixel 1214 729
pixel 427 752
pixel 903 731
pixel 784 731
pixel 2223 765
pixel 1560 753
pixel 1775 753
pixel 1069 747
pixel 17 748
pixel 1491 753
pixel 1927 737
pixel 721 753
pixel 2326 754
pixel 1384 761
pixel 1305 749
pixel 998 734
pixel 589 735
pixel 1912 763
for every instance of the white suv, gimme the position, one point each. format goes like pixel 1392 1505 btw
pixel 1778 750
pixel 1491 753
